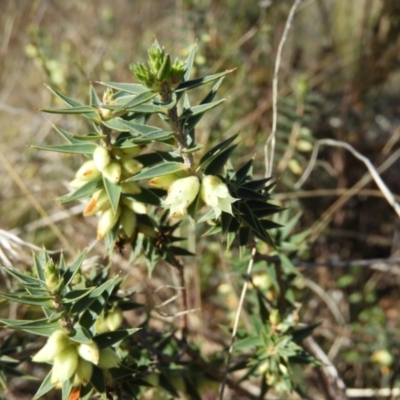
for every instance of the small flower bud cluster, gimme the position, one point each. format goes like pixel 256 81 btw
pixel 159 71
pixel 51 276
pixel 70 358
pixel 110 321
pixel 183 189
pixel 116 164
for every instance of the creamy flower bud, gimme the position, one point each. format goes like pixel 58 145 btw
pixel 55 344
pixel 105 113
pixel 51 276
pixel 112 172
pixel 130 188
pixel 83 373
pixel 181 194
pixel 89 352
pixel 87 171
pixel 128 221
pixel 131 167
pixel 127 152
pixel 165 181
pixel 215 193
pixel 98 202
pixel 101 157
pixel 65 364
pixel 114 319
pixel 101 324
pixel 108 359
pixel 135 206
pixel 106 222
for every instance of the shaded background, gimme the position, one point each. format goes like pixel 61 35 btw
pixel 339 79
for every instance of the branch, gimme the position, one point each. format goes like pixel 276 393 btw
pixel 269 148
pixel 372 170
pixel 235 326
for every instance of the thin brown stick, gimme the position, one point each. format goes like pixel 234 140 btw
pixel 269 149
pixel 236 323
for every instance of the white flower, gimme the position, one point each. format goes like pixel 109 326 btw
pixel 55 344
pixel 165 181
pixel 181 194
pixel 215 193
pixel 89 352
pixel 83 373
pixel 108 359
pixel 65 364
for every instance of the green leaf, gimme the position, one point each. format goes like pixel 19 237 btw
pixel 218 162
pixel 94 99
pixel 134 88
pixel 81 335
pixel 242 172
pixel 192 121
pixel 116 124
pixel 200 109
pixel 211 154
pixel 42 301
pixel 250 342
pixel 40 261
pixel 158 170
pixel 76 148
pixel 180 251
pixel 89 137
pixel 193 149
pixel 72 110
pixel 99 294
pixel 148 109
pixel 166 384
pixel 132 104
pixel 189 63
pixel 70 273
pixel 67 388
pixel 40 327
pixel 66 135
pixel 113 192
pixel 75 295
pixel 98 381
pixel 153 136
pixel 139 129
pixel 107 339
pixel 191 84
pixel 146 196
pixel 22 278
pixel 45 387
pixel 85 191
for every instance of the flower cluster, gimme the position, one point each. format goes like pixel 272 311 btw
pixel 116 165
pixel 183 188
pixel 70 358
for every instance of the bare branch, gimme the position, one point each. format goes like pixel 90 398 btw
pixel 269 148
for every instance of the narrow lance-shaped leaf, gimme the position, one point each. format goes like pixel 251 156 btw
pixel 45 387
pixel 94 99
pixel 158 170
pixel 84 191
pixel 113 192
pixel 218 162
pixel 134 88
pixel 94 116
pixel 192 121
pixel 207 157
pixel 200 109
pixel 193 83
pixel 76 148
